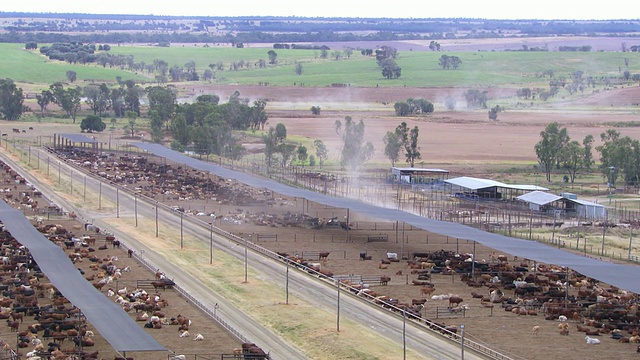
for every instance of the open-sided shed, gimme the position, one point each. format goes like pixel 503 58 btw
pixel 74 140
pixel 476 188
pixel 414 175
pixel 551 203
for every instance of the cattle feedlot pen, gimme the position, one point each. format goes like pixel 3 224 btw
pixel 622 276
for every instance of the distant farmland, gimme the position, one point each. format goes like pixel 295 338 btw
pixel 419 68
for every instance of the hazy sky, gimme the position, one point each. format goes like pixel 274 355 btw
pixel 489 9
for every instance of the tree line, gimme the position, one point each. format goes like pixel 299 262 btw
pixel 138 28
pixel 619 155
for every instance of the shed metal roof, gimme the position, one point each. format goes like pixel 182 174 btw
pixel 78 138
pixel 539 197
pixel 116 326
pixel 477 183
pixel 586 203
pixel 415 169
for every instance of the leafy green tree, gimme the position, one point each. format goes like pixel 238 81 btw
pixel 312 160
pixel 402 108
pixel 162 102
pixel 71 75
pixel 31 45
pixel 302 154
pixel 549 148
pixel 449 62
pixel 273 56
pixel 97 96
pixel 392 146
pixel 355 152
pixel 573 159
pixel 257 114
pixel 476 99
pixel 321 152
pixel 587 157
pixel 180 130
pixel 420 106
pixel 68 99
pixel 523 93
pixel 11 100
pixel 270 146
pixel 298 68
pixel 280 132
pixel 44 99
pixel 493 113
pixel 209 99
pixel 315 110
pixel 132 116
pixel 613 154
pixel 412 151
pixel 131 96
pixel 92 123
pixel 390 70
pixel 286 153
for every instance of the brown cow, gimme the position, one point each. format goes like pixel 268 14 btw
pixel 13 325
pixel 455 300
pixel 427 290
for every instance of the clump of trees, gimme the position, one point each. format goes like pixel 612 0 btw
pixel 405 139
pixel 476 99
pixel 449 62
pixel 206 124
pixel 413 107
pixel 556 150
pixel 385 57
pixel 71 52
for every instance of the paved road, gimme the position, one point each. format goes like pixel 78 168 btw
pixel 316 292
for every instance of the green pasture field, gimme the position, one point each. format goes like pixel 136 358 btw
pixel 29 67
pixel 419 68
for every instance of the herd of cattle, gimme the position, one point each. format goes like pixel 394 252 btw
pixel 523 288
pixel 164 182
pixel 519 287
pixel 45 323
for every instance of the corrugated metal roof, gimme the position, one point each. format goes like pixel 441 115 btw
pixel 473 183
pixel 585 203
pixel 78 138
pixel 115 325
pixel 539 197
pixel 476 183
pixel 419 169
